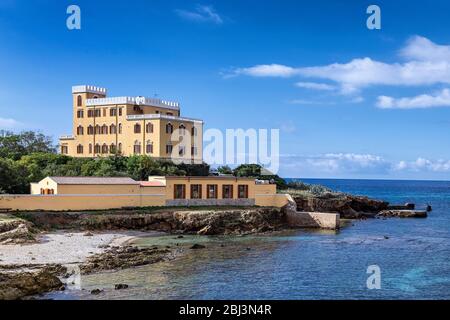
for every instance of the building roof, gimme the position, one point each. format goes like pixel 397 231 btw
pixel 152 183
pixel 94 180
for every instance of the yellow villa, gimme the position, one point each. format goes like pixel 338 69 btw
pixel 124 125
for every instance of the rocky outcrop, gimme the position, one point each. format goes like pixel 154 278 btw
pixel 13 231
pixel 205 222
pixel 348 206
pixel 18 285
pixel 403 213
pixel 123 258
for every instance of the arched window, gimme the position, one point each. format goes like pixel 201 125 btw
pixel 182 129
pixel 169 128
pixel 104 129
pixel 79 101
pixel 149 147
pixel 137 147
pixel 137 128
pixel 97 129
pixel 120 128
pixel 112 129
pixel 90 148
pixel 97 149
pixel 104 148
pixel 112 148
pixel 90 130
pixel 149 128
pixel 79 149
pixel 80 130
pixel 119 148
pixel 194 131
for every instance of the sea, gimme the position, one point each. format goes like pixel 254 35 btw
pixel 391 258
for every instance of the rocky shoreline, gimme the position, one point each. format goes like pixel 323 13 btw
pixel 40 271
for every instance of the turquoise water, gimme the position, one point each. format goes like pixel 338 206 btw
pixel 413 255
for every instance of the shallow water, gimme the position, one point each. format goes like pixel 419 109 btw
pixel 413 255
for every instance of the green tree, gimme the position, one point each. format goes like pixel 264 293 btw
pixel 225 170
pixel 14 146
pixel 13 177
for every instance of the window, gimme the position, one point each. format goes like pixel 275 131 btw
pixel 169 113
pixel 242 191
pixel 90 113
pixel 90 148
pixel 80 114
pixel 104 148
pixel 119 149
pixel 90 130
pixel 149 147
pixel 157 111
pixel 112 148
pixel 79 101
pixel 104 129
pixel 80 130
pixel 212 191
pixel 193 131
pixel 104 112
pixel 94 113
pixel 227 191
pixel 182 129
pixel 181 151
pixel 64 149
pixel 169 128
pixel 120 128
pixel 179 191
pixel 137 128
pixel 149 128
pixel 169 149
pixel 97 149
pixel 194 151
pixel 79 149
pixel 196 191
pixel 137 147
pixel 120 111
pixel 112 129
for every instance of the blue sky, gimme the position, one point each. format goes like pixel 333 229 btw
pixel 349 102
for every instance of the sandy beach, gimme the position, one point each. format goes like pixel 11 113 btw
pixel 63 247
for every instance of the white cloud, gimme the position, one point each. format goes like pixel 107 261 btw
pixel 440 99
pixel 426 64
pixel 422 164
pixel 338 163
pixel 6 123
pixel 342 164
pixel 315 86
pixel 201 14
pixel 267 70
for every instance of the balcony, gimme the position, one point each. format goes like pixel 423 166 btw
pixel 67 137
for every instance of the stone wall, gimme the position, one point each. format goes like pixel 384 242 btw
pixel 210 202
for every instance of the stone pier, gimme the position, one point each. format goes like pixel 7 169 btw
pixel 321 220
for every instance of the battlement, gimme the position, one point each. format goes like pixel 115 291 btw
pixel 90 89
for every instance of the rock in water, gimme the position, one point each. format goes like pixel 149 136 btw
pixel 403 213
pixel 14 286
pixel 96 291
pixel 197 246
pixel 120 286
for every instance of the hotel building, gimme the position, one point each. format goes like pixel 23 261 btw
pixel 104 126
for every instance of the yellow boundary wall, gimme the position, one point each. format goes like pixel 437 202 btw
pixel 105 201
